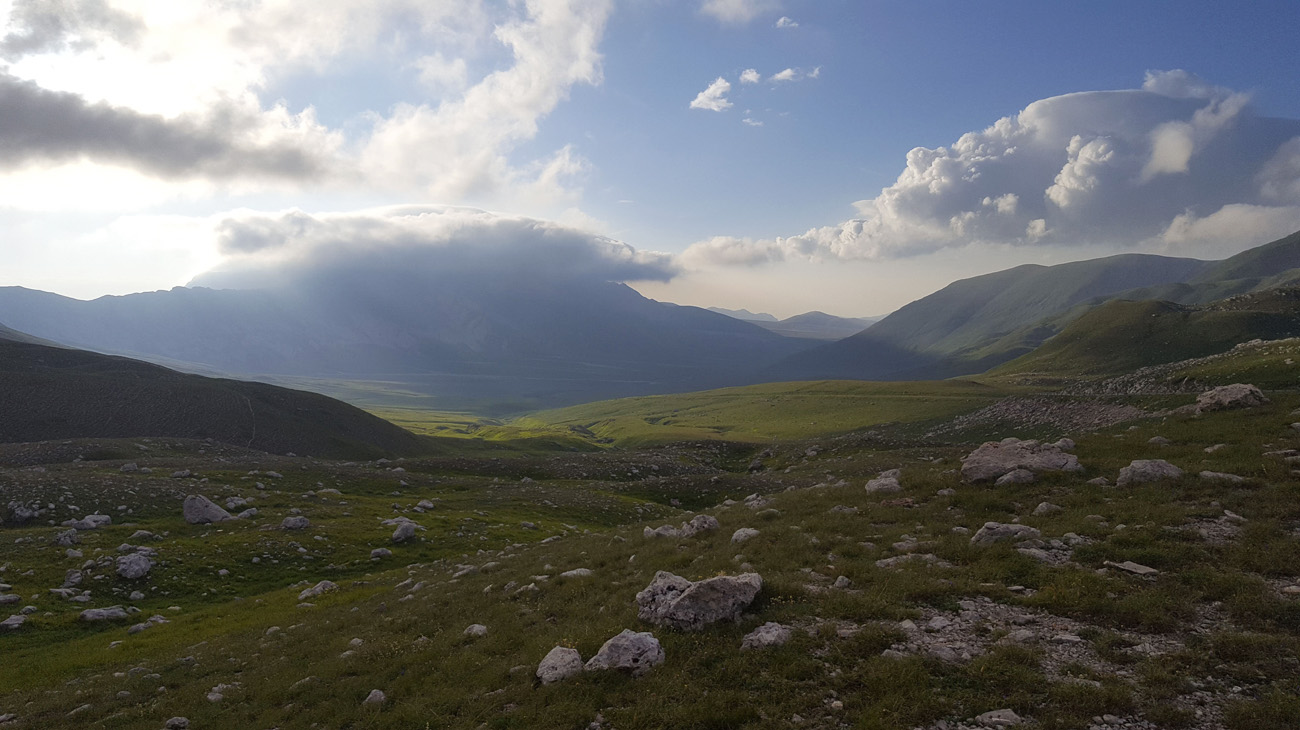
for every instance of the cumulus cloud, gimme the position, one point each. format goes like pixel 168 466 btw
pixel 786 22
pixel 498 69
pixel 713 98
pixel 47 26
pixel 750 76
pixel 787 75
pixel 417 243
pixel 1174 164
pixel 737 11
pixel 57 127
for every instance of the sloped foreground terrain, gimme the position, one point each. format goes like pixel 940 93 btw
pixel 1169 603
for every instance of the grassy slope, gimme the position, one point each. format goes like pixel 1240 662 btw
pixel 1121 336
pixel 765 412
pixel 409 612
pixel 56 393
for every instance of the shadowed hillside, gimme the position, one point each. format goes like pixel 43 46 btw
pixel 51 393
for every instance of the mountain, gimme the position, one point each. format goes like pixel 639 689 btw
pixel 819 326
pixel 744 314
pixel 1121 336
pixel 515 341
pixel 981 322
pixel 49 393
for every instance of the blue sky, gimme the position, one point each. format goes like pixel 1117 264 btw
pixel 798 191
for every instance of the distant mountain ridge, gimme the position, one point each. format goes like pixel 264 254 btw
pixel 531 343
pixel 809 325
pixel 977 323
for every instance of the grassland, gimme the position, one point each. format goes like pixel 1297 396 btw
pixel 1212 633
pixel 763 413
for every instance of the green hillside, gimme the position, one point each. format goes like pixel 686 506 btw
pixel 1120 336
pixel 764 412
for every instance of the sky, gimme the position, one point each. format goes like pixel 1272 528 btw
pixel 847 156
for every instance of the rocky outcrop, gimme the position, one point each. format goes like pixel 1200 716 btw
pixel 133 566
pixel 886 483
pixel 996 458
pixel 559 664
pixel 112 613
pixel 1143 471
pixel 675 602
pixel 200 510
pixel 767 635
pixel 633 652
pixel 993 532
pixel 1224 397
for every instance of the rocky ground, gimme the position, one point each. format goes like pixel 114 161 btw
pixel 1142 573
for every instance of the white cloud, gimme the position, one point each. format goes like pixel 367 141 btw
pixel 222 57
pixel 713 98
pixel 430 243
pixel 750 76
pixel 737 11
pixel 752 122
pixel 786 22
pixel 787 75
pixel 1177 163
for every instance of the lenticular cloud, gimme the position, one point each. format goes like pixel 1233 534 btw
pixel 1176 162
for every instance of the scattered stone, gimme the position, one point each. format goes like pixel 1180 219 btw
pixel 673 601
pixel 1143 471
pixel 1214 448
pixel 133 566
pixel 1219 476
pixel 404 532
pixel 577 573
pixel 999 718
pixel 743 534
pixel 1237 395
pixel 178 723
pixel 632 652
pixel 67 538
pixel 661 531
pixel 767 635
pixel 379 553
pixel 1046 508
pixel 200 510
pixel 1099 482
pixel 995 458
pixel 376 697
pixel 1131 567
pixel 13 623
pixel 295 522
pixel 476 630
pixel 842 583
pixel 698 524
pixel 993 532
pixel 900 560
pixel 112 613
pixel 886 483
pixel 321 587
pixel 1158 441
pixel 559 664
pixel 1016 476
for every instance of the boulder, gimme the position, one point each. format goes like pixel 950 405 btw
pixel 698 524
pixel 673 601
pixel 318 589
pixel 993 532
pixel 743 534
pixel 999 718
pixel 379 553
pixel 1046 508
pixel 993 459
pixel 1218 476
pixel 200 510
pixel 886 483
pixel 476 630
pixel 178 723
pixel 376 697
pixel 769 634
pixel 1016 476
pixel 13 623
pixel 1142 471
pixel 1224 397
pixel 112 613
pixel 404 532
pixel 632 652
pixel 559 664
pixel 133 566
pixel 295 522
pixel 662 531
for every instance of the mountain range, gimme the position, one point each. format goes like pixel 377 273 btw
pixel 510 345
